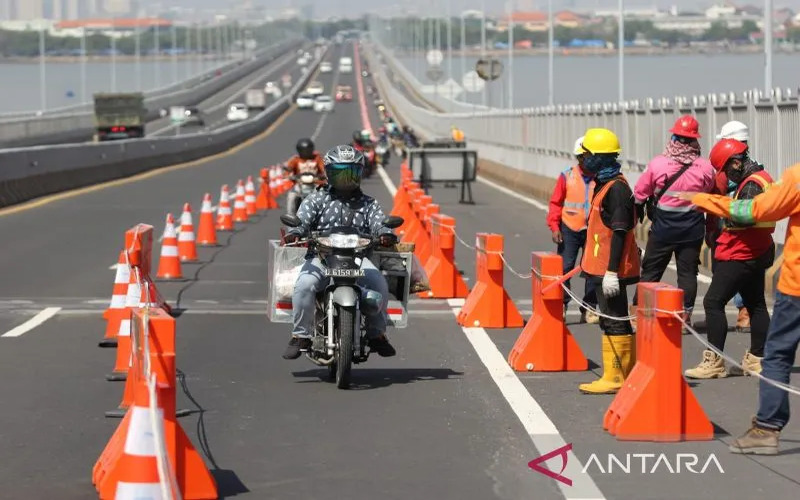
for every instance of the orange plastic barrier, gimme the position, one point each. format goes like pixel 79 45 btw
pixel 118 294
pixel 169 265
pixel 655 403
pixel 406 211
pixel 250 197
pixel 445 280
pixel 206 231
pixel 224 212
pixel 265 201
pixel 424 249
pixel 239 205
pixel 488 304
pixel 187 246
pixel 416 228
pixel 546 344
pixel 128 458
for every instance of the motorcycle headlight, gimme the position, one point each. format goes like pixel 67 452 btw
pixel 307 179
pixel 344 241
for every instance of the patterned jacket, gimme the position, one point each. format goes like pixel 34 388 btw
pixel 324 209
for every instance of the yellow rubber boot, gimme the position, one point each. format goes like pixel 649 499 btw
pixel 619 356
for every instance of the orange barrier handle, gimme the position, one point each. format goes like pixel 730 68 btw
pixel 562 279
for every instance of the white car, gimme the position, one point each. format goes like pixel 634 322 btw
pixel 305 101
pixel 325 67
pixel 323 104
pixel 302 60
pixel 315 88
pixel 238 112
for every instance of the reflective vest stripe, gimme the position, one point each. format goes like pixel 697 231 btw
pixel 742 212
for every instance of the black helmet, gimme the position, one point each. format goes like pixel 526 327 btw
pixel 356 137
pixel 305 148
pixel 343 167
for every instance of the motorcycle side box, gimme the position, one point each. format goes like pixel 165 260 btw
pixel 396 267
pixel 284 264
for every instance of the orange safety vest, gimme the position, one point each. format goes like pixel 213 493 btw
pixel 763 178
pixel 576 203
pixel 598 242
pixel 458 135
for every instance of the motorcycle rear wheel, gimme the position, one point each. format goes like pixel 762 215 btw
pixel 346 323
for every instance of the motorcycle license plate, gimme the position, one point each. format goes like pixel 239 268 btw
pixel 344 273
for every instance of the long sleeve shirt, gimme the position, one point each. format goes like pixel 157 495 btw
pixel 324 209
pixel 780 201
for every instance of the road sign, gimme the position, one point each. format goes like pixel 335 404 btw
pixel 472 82
pixel 435 74
pixel 434 57
pixel 490 69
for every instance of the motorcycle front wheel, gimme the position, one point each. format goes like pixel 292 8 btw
pixel 346 327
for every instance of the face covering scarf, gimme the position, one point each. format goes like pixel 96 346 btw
pixel 605 167
pixel 684 154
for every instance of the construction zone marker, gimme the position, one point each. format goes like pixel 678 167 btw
pixel 250 197
pixel 224 212
pixel 488 305
pixel 239 205
pixel 443 276
pixel 169 265
pixel 655 402
pixel 187 247
pixel 546 344
pixel 118 294
pixel 206 231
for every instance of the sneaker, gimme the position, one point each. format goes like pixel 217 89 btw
pixel 712 366
pixel 382 346
pixel 743 321
pixel 687 317
pixel 750 364
pixel 295 346
pixel 757 441
pixel 592 318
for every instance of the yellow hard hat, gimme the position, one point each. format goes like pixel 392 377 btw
pixel 578 149
pixel 601 140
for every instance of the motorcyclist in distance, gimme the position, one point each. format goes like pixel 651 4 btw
pixel 410 137
pixel 340 203
pixel 306 161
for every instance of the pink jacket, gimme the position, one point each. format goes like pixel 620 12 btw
pixel 698 178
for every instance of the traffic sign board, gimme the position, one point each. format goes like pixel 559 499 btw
pixel 489 69
pixel 434 57
pixel 472 82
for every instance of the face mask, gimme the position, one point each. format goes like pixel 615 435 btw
pixel 735 175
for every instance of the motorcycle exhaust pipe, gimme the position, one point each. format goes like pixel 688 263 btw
pixel 320 362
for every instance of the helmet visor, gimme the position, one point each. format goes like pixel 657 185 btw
pixel 344 176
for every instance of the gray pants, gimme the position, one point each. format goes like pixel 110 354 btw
pixel 312 281
pixel 292 202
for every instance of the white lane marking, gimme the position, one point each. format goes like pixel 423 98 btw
pixel 32 323
pixel 96 301
pixel 321 123
pixel 541 206
pixel 113 267
pixel 386 180
pixel 541 430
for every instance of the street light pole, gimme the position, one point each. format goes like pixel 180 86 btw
pixel 550 51
pixel 768 47
pixel 138 57
pixel 156 65
pixel 511 55
pixel 42 71
pixel 621 44
pixel 84 49
pixel 483 42
pixel 113 57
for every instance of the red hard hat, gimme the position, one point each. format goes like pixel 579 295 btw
pixel 724 150
pixel 686 126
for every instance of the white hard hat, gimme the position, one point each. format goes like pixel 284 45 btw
pixel 734 130
pixel 578 149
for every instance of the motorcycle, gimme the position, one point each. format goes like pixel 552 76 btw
pixel 303 186
pixel 399 146
pixel 369 156
pixel 339 339
pixel 381 154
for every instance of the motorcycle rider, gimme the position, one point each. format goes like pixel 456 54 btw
pixel 340 203
pixel 410 137
pixel 306 161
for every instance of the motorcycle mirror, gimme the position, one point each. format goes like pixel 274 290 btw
pixel 291 220
pixel 393 222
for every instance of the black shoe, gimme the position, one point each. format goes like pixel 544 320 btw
pixel 382 346
pixel 295 345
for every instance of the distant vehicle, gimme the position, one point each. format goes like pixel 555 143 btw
pixel 379 103
pixel 238 112
pixel 344 93
pixel 323 103
pixel 346 65
pixel 269 86
pixel 325 67
pixel 255 99
pixel 272 89
pixel 286 81
pixel 305 101
pixel 315 88
pixel 194 117
pixel 302 60
pixel 119 116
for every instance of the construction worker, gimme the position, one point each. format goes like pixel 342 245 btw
pixel 743 253
pixel 677 228
pixel 739 131
pixel 611 257
pixel 780 201
pixel 566 218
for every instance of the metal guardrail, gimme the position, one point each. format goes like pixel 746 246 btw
pixel 67 127
pixel 28 173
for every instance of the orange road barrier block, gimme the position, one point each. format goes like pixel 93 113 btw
pixel 262 201
pixel 272 187
pixel 443 277
pixel 401 199
pixel 169 265
pixel 423 250
pixel 250 197
pixel 206 232
pixel 187 247
pixel 410 220
pixel 488 304
pixel 546 344
pixel 655 403
pixel 404 209
pixel 239 205
pixel 224 212
pixel 416 231
pixel 118 294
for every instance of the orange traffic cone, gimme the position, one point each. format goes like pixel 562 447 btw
pixel 118 294
pixel 250 197
pixel 187 249
pixel 239 206
pixel 169 265
pixel 262 200
pixel 224 214
pixel 206 232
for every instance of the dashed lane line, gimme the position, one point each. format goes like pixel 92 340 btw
pixel 32 323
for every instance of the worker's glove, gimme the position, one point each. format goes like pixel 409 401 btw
pixel 610 284
pixel 291 238
pixel 387 240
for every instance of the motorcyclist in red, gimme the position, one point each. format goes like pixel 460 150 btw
pixel 306 161
pixel 362 142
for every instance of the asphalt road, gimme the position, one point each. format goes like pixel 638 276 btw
pixel 429 423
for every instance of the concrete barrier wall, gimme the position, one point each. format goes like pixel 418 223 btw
pixel 78 124
pixel 27 173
